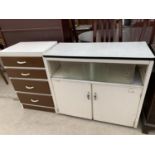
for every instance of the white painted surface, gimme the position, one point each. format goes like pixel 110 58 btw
pixel 73 98
pixel 112 50
pixel 146 82
pixel 128 98
pixel 35 48
pixel 49 72
pixel 115 104
pixel 117 61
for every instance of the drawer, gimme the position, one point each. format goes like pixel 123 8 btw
pixel 42 100
pixel 31 86
pixel 23 61
pixel 27 73
pixel 28 106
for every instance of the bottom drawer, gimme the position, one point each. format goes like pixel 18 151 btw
pixel 40 100
pixel 26 106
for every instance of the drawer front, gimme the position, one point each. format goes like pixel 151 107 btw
pixel 23 61
pixel 31 86
pixel 41 100
pixel 38 108
pixel 27 73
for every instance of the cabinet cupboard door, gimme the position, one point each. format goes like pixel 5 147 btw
pixel 115 104
pixel 73 98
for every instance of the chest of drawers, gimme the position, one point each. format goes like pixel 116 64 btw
pixel 25 67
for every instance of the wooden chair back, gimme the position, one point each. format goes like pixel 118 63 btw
pixel 3 38
pixel 73 29
pixel 143 30
pixel 2 70
pixel 108 30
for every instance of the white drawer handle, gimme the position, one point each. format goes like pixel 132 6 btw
pixel 29 87
pixel 25 74
pixel 34 101
pixel 21 62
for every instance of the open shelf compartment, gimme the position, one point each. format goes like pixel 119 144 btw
pixel 99 72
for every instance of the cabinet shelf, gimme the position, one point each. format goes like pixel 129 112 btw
pixel 92 72
pixel 72 71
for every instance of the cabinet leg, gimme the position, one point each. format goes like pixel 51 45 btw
pixel 145 130
pixel 3 76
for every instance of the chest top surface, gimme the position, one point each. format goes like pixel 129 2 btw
pixel 115 50
pixel 36 48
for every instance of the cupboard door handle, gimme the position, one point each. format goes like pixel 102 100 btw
pixel 25 74
pixel 88 95
pixel 21 62
pixel 29 87
pixel 95 96
pixel 34 101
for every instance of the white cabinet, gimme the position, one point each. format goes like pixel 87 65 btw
pixel 73 98
pixel 100 81
pixel 115 104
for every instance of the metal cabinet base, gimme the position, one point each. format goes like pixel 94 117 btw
pixel 148 114
pixel 146 127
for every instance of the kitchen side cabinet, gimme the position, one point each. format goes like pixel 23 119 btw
pixel 76 96
pixel 106 82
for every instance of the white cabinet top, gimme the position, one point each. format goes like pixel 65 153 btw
pixel 35 48
pixel 124 50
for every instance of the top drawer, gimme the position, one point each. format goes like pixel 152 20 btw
pixel 23 61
